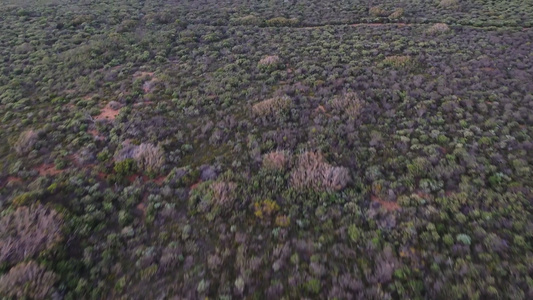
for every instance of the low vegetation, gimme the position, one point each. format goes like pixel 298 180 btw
pixel 266 149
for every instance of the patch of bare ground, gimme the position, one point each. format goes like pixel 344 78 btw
pixel 322 109
pixel 195 185
pixel 159 180
pixel 140 74
pixel 10 180
pixel 107 113
pixel 424 195
pixel 387 205
pixel 360 25
pixel 379 24
pixel 142 209
pixel 134 177
pixel 48 169
pixel 487 69
pixel 96 134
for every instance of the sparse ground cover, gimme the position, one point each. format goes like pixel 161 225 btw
pixel 269 149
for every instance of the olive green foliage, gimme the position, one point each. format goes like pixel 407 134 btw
pixel 126 167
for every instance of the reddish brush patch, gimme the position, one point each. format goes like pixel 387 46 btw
pixel 9 180
pixel 134 177
pixel 379 24
pixel 423 195
pixel 107 113
pixel 143 74
pixel 488 69
pixel 388 205
pixel 196 185
pixel 320 108
pixel 95 134
pixel 48 169
pixel 449 193
pixel 142 208
pixel 159 180
pixel 13 179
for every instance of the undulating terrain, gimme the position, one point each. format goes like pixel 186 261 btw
pixel 291 149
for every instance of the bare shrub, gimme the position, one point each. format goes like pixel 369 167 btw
pixel 224 193
pixel 398 13
pixel 386 262
pixel 313 172
pixel 377 11
pixel 448 3
pixel 28 231
pixel 438 28
pixel 247 20
pixel 149 157
pixel 269 60
pixel 27 280
pixel 273 107
pixel 25 142
pixel 282 22
pixel 276 160
pixel 348 103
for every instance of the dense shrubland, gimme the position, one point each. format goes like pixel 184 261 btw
pixel 232 150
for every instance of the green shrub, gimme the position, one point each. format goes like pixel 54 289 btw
pixel 464 238
pixel 313 286
pixel 126 167
pixel 354 233
pixel 282 22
